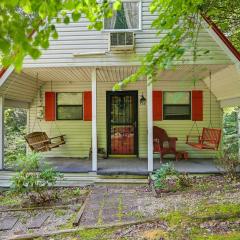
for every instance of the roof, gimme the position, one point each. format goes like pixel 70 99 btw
pixel 213 26
pixel 222 36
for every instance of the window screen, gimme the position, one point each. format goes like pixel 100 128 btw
pixel 177 105
pixel 69 106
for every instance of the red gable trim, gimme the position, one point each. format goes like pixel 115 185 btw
pixel 221 35
pixel 2 71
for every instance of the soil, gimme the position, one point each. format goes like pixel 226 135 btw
pixel 209 208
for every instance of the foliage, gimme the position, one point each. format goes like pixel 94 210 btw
pixel 27 25
pixel 183 181
pixel 225 14
pixel 166 171
pixel 177 21
pixel 230 131
pixel 15 120
pixel 34 178
pixel 229 162
pixel 160 176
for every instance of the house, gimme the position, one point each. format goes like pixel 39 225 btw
pixel 69 88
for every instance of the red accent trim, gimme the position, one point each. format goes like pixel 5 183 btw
pixel 197 105
pixel 50 106
pixel 87 106
pixel 2 71
pixel 157 105
pixel 221 35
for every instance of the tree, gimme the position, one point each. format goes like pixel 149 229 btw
pixel 27 25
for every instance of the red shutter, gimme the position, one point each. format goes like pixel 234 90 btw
pixel 50 106
pixel 87 108
pixel 197 105
pixel 157 105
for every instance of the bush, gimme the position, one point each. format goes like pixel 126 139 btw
pixel 229 162
pixel 34 178
pixel 160 176
pixel 167 178
pixel 183 181
pixel 15 120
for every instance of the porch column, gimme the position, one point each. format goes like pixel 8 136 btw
pixel 150 123
pixel 1 131
pixel 94 120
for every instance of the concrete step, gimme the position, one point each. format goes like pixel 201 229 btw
pixel 82 179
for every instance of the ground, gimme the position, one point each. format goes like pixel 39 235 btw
pixel 210 209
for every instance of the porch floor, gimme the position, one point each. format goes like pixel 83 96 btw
pixel 129 165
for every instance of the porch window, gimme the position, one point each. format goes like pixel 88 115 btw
pixel 127 17
pixel 69 106
pixel 177 106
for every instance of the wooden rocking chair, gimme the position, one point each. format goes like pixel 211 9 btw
pixel 40 142
pixel 159 138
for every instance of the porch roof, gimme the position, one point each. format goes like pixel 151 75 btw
pixel 225 79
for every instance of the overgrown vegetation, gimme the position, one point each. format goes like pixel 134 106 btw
pixel 229 159
pixel 15 120
pixel 166 178
pixel 34 178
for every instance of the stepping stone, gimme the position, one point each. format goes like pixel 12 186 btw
pixel 8 223
pixel 38 220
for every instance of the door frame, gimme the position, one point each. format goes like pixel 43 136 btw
pixel 109 94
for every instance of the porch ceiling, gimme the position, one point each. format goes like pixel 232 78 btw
pixel 115 74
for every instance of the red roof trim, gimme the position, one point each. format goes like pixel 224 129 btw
pixel 2 71
pixel 221 35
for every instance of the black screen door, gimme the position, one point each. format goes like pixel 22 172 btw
pixel 122 123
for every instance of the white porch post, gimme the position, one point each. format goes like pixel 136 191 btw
pixel 150 123
pixel 94 120
pixel 1 131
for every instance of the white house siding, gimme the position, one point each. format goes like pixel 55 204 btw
pixel 78 133
pixel 77 38
pixel 20 87
pixel 181 128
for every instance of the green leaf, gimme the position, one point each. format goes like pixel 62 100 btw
pixel 76 16
pixel 117 5
pixel 55 35
pixel 35 53
pixel 26 6
pixel 43 10
pixel 66 20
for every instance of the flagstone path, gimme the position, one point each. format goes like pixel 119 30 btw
pixel 113 204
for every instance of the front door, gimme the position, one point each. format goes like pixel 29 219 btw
pixel 122 123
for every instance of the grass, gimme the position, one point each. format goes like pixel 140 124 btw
pixel 10 199
pixel 184 225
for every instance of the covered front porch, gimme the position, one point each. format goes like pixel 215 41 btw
pixel 82 135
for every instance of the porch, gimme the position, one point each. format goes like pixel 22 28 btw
pixel 129 166
pixel 82 134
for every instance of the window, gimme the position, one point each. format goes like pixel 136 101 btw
pixel 126 18
pixel 69 106
pixel 177 106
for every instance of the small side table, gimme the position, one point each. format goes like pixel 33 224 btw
pixel 181 155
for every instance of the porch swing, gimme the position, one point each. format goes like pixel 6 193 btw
pixel 39 141
pixel 210 137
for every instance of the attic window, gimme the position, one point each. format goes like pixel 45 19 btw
pixel 126 18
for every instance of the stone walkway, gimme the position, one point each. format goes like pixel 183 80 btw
pixel 112 204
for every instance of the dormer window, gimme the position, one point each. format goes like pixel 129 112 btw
pixel 127 18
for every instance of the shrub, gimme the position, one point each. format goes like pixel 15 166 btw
pixel 160 176
pixel 34 178
pixel 229 162
pixel 183 181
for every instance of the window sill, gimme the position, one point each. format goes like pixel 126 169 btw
pixel 120 30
